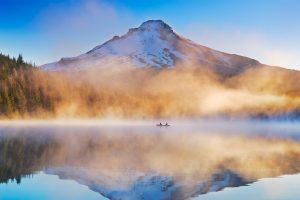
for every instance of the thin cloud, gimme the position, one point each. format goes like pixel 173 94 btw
pixel 79 26
pixel 246 42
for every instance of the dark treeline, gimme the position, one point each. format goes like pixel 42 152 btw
pixel 10 66
pixel 18 94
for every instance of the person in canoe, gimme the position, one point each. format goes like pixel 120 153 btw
pixel 160 124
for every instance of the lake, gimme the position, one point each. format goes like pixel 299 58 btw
pixel 191 159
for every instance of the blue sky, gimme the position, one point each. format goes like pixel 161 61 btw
pixel 46 30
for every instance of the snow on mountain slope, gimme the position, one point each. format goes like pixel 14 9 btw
pixel 153 44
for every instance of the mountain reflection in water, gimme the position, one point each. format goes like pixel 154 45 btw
pixel 143 162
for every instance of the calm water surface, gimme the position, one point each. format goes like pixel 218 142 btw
pixel 193 160
pixel 47 187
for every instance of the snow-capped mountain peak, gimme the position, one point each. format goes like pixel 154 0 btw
pixel 153 25
pixel 153 44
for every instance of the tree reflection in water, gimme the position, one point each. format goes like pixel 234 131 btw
pixel 135 162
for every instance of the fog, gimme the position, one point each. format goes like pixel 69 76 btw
pixel 185 91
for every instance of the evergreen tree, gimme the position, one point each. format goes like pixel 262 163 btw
pixel 20 60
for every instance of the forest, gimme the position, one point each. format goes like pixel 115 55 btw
pixel 18 93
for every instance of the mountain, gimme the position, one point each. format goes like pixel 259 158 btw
pixel 154 44
pixel 132 82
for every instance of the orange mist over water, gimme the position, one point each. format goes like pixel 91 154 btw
pixel 147 93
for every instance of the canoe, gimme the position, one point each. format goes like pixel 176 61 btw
pixel 163 125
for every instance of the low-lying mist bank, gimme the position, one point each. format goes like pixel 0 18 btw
pixel 148 93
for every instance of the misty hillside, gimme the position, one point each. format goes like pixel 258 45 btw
pixel 154 44
pixel 19 92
